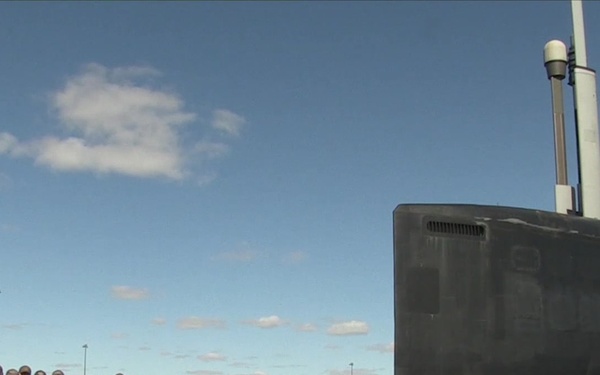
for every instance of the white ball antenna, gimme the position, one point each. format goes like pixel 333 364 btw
pixel 555 59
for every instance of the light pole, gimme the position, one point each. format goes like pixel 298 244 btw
pixel 84 358
pixel 351 368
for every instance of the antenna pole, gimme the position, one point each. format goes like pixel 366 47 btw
pixel 555 61
pixel 586 118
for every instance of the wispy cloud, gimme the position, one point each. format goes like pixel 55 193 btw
pixel 227 122
pixel 118 336
pixel 129 293
pixel 211 150
pixel 159 321
pixel 204 372
pixel 212 357
pixel 244 365
pixel 266 322
pixel 353 327
pixel 194 322
pixel 64 366
pixel 357 371
pixel 118 121
pixel 382 348
pixel 306 327
pixel 144 348
pixel 242 255
pixel 15 326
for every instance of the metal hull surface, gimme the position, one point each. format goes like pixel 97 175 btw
pixel 484 290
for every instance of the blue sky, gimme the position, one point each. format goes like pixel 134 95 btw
pixel 207 188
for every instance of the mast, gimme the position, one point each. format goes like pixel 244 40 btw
pixel 583 80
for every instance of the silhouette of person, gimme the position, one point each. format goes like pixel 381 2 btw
pixel 12 371
pixel 40 372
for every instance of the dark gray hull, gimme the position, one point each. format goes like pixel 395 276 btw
pixel 484 290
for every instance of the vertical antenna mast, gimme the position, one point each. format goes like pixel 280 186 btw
pixel 555 61
pixel 586 117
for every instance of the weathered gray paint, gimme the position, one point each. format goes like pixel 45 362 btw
pixel 519 291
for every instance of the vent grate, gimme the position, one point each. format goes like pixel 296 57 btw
pixel 471 230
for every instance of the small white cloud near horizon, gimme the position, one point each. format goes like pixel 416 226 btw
pixel 227 122
pixel 242 256
pixel 159 321
pixel 353 327
pixel 204 372
pixel 116 121
pixel 194 322
pixel 382 348
pixel 15 326
pixel 118 336
pixel 307 327
pixel 356 371
pixel 123 292
pixel 67 365
pixel 212 357
pixel 266 322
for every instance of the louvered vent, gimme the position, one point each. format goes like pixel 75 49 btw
pixel 471 230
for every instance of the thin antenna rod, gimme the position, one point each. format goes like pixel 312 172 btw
pixel 586 117
pixel 555 61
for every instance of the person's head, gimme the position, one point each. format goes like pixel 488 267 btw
pixel 58 372
pixel 25 370
pixel 40 372
pixel 12 371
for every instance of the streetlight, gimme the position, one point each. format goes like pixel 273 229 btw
pixel 351 368
pixel 84 358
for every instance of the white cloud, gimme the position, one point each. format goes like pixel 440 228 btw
pixel 382 348
pixel 194 322
pixel 129 293
pixel 63 366
pixel 15 326
pixel 357 371
pixel 159 321
pixel 144 348
pixel 212 357
pixel 267 322
pixel 8 142
pixel 245 365
pixel 307 327
pixel 227 122
pixel 211 150
pixel 117 121
pixel 243 255
pixel 118 336
pixel 352 327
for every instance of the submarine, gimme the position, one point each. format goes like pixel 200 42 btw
pixel 491 290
